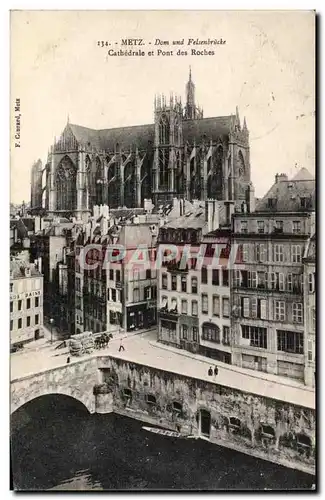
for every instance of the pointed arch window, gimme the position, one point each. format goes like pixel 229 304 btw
pixel 65 181
pixel 164 129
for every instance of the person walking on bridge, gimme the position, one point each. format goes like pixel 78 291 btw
pixel 121 348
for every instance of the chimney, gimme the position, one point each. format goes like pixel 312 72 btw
pixel 280 178
pixel 212 214
pixel 250 198
pixel 230 209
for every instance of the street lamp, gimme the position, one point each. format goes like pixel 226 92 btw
pixel 51 323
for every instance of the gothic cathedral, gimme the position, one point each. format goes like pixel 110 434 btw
pixel 181 155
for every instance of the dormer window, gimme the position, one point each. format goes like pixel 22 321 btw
pixel 271 202
pixel 244 226
pixel 303 202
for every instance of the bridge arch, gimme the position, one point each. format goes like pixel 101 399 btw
pixel 83 400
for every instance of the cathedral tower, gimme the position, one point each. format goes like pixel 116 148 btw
pixel 191 112
pixel 168 147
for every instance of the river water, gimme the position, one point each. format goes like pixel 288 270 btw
pixel 72 450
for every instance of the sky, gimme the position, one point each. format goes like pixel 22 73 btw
pixel 266 68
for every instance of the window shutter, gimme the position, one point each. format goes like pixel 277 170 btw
pixel 263 309
pixel 246 307
pixel 281 281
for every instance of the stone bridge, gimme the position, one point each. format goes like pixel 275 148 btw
pixel 76 380
pixel 264 427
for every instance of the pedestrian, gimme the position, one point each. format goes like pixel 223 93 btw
pixel 121 348
pixel 210 371
pixel 68 360
pixel 216 371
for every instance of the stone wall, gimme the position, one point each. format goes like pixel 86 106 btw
pixel 265 428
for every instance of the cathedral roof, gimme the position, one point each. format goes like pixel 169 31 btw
pixel 142 135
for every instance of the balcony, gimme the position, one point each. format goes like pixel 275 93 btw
pixel 175 268
pixel 171 315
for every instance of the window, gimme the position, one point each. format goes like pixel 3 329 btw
pixel 279 310
pixel 225 307
pixel 118 275
pixel 225 277
pixel 256 335
pixel 278 253
pixel 311 282
pixel 237 278
pixel 174 282
pixel 28 321
pixel 260 226
pixel 19 305
pixel 260 252
pixel 215 277
pixel 28 304
pixel 177 407
pixel 204 275
pixel 245 253
pixel 11 306
pixel 205 303
pixel 194 308
pixel 136 275
pixel 195 334
pixel 310 350
pixel 184 332
pixel 216 305
pixel 278 228
pixel 127 393
pixel 226 335
pixel 272 202
pixel 194 284
pixel 148 274
pixel 148 292
pixel 252 279
pixel 36 301
pixel 20 322
pixel 184 306
pixel 245 307
pixel 113 295
pixel 184 284
pixel 151 399
pixel 272 281
pixel 11 325
pixel 11 286
pixel 136 295
pixel 297 312
pixel 281 282
pixel 290 341
pixel 243 226
pixel 313 319
pixel 303 202
pixel 164 282
pixel 211 332
pixel 111 274
pixel 296 227
pixel 296 253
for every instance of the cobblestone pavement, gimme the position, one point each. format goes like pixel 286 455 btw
pixel 142 348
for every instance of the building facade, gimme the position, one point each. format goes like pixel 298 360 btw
pixel 309 264
pixel 26 303
pixel 267 295
pixel 181 154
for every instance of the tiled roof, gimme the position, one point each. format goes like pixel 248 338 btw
pixel 192 219
pixel 288 195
